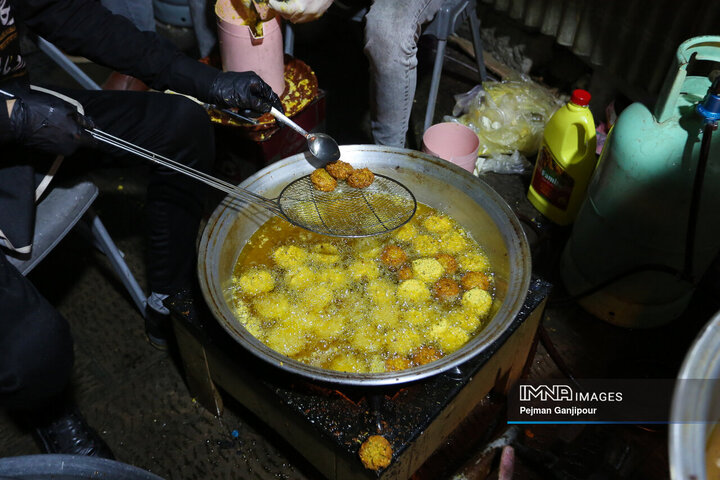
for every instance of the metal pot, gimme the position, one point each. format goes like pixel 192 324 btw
pixel 696 404
pixel 435 182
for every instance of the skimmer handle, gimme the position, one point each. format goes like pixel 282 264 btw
pixel 282 118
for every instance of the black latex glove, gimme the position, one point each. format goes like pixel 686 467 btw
pixel 48 123
pixel 244 90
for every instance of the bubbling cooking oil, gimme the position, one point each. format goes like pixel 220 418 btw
pixel 366 305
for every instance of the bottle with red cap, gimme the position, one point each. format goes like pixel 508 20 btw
pixel 565 162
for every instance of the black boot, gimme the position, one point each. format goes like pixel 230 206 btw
pixel 67 432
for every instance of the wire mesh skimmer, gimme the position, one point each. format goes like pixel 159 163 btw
pixel 345 212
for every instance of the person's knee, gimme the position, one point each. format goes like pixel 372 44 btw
pixel 387 39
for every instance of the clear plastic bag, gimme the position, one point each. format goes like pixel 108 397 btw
pixel 500 163
pixel 507 116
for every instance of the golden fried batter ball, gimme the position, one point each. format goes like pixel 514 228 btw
pixel 477 301
pixel 339 170
pixel 425 245
pixel 405 273
pixel 425 355
pixel 406 233
pixel 255 281
pixel 322 180
pixel 413 291
pixel 397 363
pixel 474 262
pixel 349 363
pixel 437 223
pixel 284 339
pixel 361 178
pixel 393 256
pixel 274 305
pixel 289 256
pixel 363 270
pixel 448 262
pixel 446 290
pixel 453 242
pixel 401 341
pixel 475 280
pixel 375 452
pixel 427 269
pixel 299 278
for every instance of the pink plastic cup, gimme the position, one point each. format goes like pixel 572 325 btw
pixel 241 50
pixel 453 142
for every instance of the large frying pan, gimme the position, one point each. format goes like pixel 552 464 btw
pixel 444 186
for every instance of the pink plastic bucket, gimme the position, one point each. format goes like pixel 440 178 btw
pixel 453 142
pixel 241 51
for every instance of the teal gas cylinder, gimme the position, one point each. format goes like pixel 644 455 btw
pixel 628 243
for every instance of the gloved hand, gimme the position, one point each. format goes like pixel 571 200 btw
pixel 245 90
pixel 48 123
pixel 300 11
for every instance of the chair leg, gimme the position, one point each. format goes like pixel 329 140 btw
pixel 435 83
pixel 58 57
pixel 477 40
pixel 108 247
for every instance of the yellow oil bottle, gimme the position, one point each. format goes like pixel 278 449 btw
pixel 565 162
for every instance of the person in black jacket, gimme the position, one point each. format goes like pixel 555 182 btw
pixel 35 126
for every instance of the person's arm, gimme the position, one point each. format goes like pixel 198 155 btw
pixel 86 28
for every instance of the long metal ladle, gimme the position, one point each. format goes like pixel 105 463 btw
pixel 322 146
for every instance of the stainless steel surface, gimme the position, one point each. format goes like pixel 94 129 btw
pixel 476 206
pixel 322 146
pixel 695 400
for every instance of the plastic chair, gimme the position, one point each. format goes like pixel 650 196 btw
pixel 441 27
pixel 58 213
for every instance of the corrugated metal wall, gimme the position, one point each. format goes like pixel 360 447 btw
pixel 633 40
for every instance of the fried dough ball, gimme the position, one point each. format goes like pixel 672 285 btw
pixel 393 256
pixel 322 180
pixel 387 317
pixel 405 273
pixel 414 317
pixel 406 233
pixel 375 452
pixel 437 224
pixel 299 278
pixel 348 363
pixel 401 341
pixel 364 270
pixel 477 301
pixel 413 290
pixel 285 340
pixel 427 270
pixel 339 170
pixel 317 298
pixel 289 256
pixel 327 328
pixel 255 281
pixel 450 338
pixel 273 305
pixel 425 355
pixel 425 245
pixel 465 319
pixel 394 364
pixel 361 178
pixel 474 262
pixel 381 291
pixel 448 262
pixel 453 242
pixel 475 280
pixel 366 338
pixel 334 277
pixel 446 290
pixel 325 248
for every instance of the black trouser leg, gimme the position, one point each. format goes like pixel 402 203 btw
pixel 36 353
pixel 179 129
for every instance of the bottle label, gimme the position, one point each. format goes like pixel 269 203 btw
pixel 551 181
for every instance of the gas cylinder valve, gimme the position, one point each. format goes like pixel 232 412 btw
pixel 709 108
